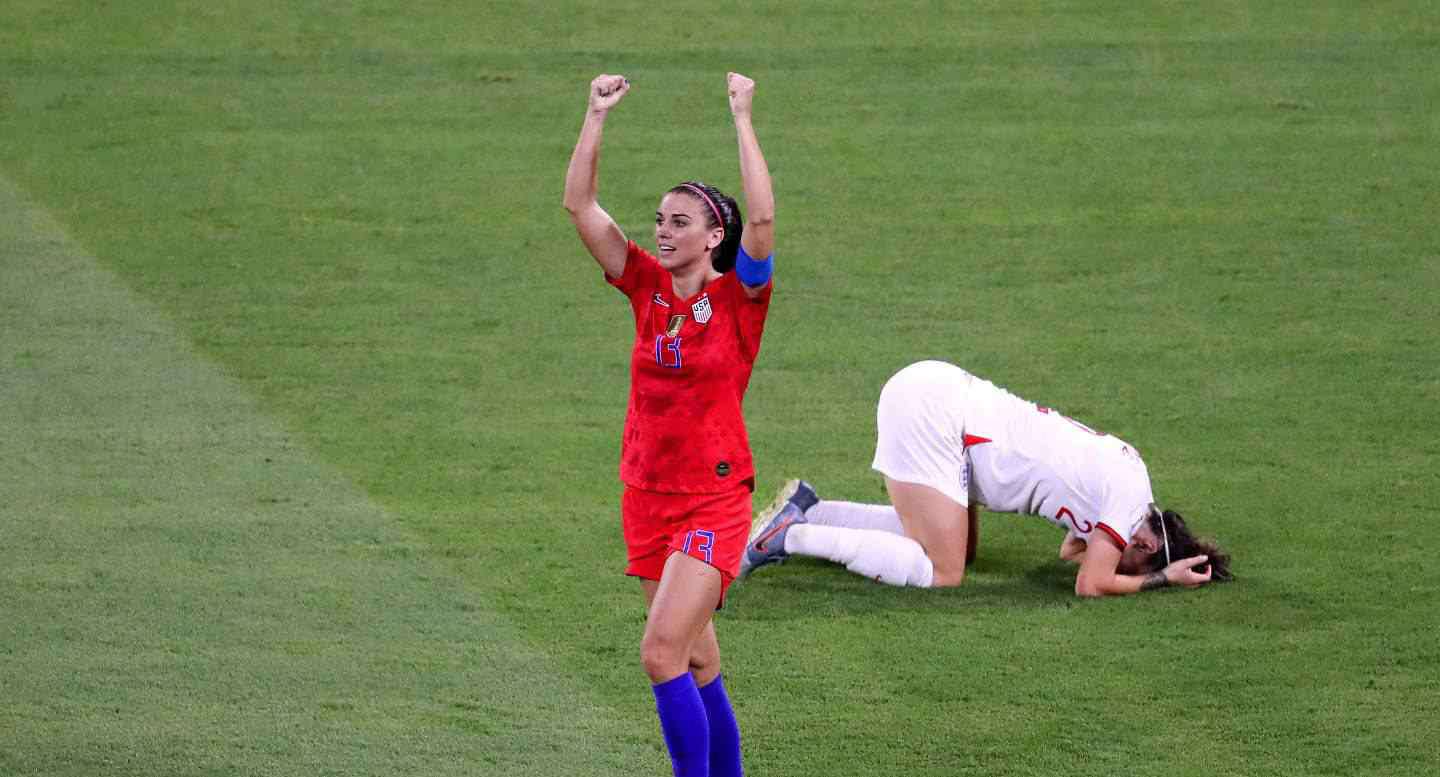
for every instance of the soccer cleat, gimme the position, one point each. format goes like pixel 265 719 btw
pixel 766 544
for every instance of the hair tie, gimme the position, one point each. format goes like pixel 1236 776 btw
pixel 692 187
pixel 1164 534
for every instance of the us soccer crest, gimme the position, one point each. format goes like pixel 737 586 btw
pixel 701 310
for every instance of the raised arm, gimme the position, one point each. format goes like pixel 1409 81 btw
pixel 758 240
pixel 1099 575
pixel 600 234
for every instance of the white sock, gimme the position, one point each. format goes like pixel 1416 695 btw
pixel 878 555
pixel 853 515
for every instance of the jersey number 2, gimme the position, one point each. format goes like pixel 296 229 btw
pixel 1064 514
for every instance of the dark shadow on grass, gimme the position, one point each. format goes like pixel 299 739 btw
pixel 808 587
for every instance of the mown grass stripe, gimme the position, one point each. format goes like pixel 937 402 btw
pixel 189 591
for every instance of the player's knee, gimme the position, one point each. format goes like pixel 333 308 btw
pixel 948 576
pixel 663 656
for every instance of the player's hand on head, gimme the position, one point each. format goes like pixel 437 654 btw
pixel 1189 572
pixel 742 91
pixel 607 90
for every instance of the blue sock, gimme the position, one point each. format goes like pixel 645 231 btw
pixel 683 722
pixel 724 731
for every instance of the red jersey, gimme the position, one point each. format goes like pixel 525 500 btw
pixel 689 368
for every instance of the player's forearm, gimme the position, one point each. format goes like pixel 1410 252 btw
pixel 754 176
pixel 1118 585
pixel 582 178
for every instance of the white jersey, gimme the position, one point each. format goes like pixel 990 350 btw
pixel 970 439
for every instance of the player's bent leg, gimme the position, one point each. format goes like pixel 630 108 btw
pixel 680 609
pixel 887 558
pixel 705 653
pixel 938 523
pixel 854 515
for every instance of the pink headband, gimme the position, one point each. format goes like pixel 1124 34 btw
pixel 708 201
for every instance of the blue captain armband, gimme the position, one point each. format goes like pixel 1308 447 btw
pixel 751 272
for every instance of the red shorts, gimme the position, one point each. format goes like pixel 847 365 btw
pixel 711 527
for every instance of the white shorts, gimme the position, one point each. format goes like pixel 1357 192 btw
pixel 921 422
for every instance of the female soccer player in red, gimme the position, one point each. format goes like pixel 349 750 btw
pixel 700 309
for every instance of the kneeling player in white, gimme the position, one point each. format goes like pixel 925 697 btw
pixel 948 441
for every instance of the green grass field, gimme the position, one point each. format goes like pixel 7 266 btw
pixel 310 399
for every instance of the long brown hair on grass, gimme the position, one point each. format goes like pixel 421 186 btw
pixel 1184 544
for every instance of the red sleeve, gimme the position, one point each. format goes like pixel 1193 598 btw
pixel 1113 535
pixel 641 271
pixel 750 319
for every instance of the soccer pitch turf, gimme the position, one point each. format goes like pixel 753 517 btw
pixel 312 399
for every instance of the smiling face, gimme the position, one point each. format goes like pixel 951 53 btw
pixel 683 232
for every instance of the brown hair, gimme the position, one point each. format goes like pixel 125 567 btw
pixel 1184 544
pixel 722 211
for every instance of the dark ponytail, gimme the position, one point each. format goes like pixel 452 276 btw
pixel 717 203
pixel 1184 544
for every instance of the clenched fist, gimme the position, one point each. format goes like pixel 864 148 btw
pixel 742 89
pixel 607 90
